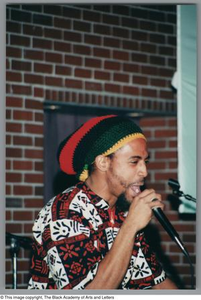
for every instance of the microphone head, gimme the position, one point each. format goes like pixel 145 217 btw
pixel 174 184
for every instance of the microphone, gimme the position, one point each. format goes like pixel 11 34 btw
pixel 161 217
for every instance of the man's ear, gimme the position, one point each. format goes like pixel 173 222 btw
pixel 102 162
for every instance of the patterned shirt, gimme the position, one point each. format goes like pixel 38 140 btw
pixel 73 233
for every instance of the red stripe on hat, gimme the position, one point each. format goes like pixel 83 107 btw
pixel 66 155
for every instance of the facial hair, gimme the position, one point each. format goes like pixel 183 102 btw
pixel 122 203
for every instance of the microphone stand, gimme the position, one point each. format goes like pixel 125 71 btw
pixel 14 250
pixel 174 184
pixel 15 243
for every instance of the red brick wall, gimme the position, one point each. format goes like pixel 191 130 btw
pixel 107 55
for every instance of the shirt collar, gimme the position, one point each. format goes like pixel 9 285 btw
pixel 95 199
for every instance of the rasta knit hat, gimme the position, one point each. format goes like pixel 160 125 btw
pixel 101 135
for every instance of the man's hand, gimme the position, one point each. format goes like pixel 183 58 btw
pixel 140 211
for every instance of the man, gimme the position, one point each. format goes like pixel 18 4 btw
pixel 91 235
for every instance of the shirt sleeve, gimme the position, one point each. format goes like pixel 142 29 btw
pixel 66 259
pixel 39 271
pixel 72 257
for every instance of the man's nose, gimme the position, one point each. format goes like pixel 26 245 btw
pixel 143 169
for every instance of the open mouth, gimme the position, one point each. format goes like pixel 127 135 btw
pixel 136 188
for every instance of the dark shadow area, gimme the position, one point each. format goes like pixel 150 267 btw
pixel 153 237
pixel 63 181
pixel 174 202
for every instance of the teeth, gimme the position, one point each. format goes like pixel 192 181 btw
pixel 139 183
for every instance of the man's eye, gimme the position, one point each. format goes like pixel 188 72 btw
pixel 134 162
pixel 146 162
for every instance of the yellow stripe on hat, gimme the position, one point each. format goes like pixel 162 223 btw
pixel 84 175
pixel 123 142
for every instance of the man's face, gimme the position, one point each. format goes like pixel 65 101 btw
pixel 128 169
